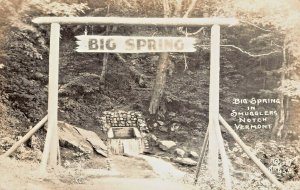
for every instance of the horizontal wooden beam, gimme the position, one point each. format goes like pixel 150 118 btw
pixel 137 21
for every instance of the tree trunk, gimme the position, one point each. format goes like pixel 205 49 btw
pixel 164 62
pixel 104 64
pixel 160 82
pixel 104 68
pixel 161 74
pixel 280 120
pixel 286 116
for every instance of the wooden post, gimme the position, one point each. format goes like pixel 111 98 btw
pixel 216 143
pixel 201 157
pixel 214 100
pixel 51 144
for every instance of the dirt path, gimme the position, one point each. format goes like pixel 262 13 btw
pixel 164 169
pixel 128 173
pixel 131 184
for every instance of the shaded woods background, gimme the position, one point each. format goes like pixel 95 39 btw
pixel 259 58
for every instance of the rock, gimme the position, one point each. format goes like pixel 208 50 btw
pixel 94 140
pixel 154 59
pixel 238 161
pixel 193 154
pixel 185 161
pixel 175 127
pixel 166 145
pixel 38 75
pixel 143 134
pixel 143 127
pixel 155 125
pixel 179 152
pixel 70 137
pixel 183 133
pixel 163 129
pixel 160 123
pixel 153 138
pixel 172 114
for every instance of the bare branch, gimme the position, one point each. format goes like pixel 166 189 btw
pixel 190 8
pixel 245 52
pixel 180 29
pixel 250 54
pixel 273 43
pixel 247 22
pixel 127 4
pixel 185 63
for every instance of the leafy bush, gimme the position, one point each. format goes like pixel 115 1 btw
pixel 83 84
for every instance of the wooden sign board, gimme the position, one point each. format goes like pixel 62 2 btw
pixel 134 44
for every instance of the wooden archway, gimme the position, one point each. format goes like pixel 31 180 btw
pixel 51 147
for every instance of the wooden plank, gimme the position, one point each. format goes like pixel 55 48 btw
pixel 137 21
pixel 134 44
pixel 51 144
pixel 252 156
pixel 26 137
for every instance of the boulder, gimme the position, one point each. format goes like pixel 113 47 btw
pixel 94 140
pixel 166 145
pixel 69 137
pixel 179 152
pixel 193 154
pixel 185 161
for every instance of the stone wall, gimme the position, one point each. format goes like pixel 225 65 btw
pixel 119 139
pixel 124 119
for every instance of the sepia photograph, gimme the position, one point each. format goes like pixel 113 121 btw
pixel 150 94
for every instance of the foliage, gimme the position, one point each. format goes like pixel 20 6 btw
pixel 86 83
pixel 24 54
pixel 59 9
pixel 282 160
pixel 290 88
pixel 264 28
pixel 280 22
